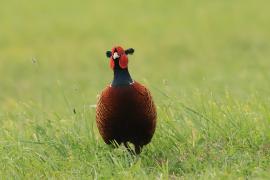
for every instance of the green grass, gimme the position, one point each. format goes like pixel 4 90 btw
pixel 205 62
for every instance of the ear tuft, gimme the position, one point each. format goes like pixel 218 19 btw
pixel 108 54
pixel 129 51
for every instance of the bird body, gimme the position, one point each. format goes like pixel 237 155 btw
pixel 125 110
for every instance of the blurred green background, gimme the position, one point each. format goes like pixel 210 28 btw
pixel 52 61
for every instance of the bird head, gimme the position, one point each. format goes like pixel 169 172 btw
pixel 118 57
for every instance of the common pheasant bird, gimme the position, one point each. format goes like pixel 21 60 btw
pixel 125 110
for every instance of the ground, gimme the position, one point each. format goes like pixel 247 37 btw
pixel 205 62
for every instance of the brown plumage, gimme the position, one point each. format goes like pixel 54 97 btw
pixel 125 110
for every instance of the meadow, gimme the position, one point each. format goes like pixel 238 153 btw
pixel 206 63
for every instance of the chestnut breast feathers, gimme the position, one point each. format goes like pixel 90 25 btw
pixel 126 114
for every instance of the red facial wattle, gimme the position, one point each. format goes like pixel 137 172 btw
pixel 123 59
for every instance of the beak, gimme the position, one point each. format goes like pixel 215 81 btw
pixel 115 55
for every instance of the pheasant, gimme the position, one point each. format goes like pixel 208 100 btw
pixel 125 110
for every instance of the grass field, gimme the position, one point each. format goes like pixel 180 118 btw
pixel 205 62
